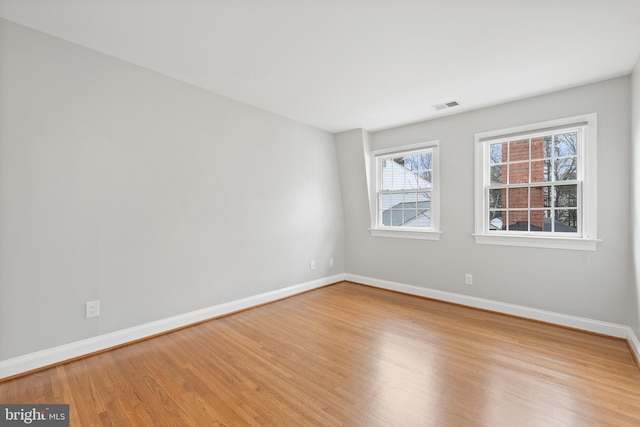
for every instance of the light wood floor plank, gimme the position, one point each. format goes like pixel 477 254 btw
pixel 350 355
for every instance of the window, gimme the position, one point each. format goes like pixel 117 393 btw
pixel 406 192
pixel 536 185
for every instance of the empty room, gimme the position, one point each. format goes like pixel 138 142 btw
pixel 291 213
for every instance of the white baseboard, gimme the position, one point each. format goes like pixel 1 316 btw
pixel 596 326
pixel 39 359
pixel 36 360
pixel 634 343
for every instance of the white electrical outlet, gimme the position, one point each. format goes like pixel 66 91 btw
pixel 313 264
pixel 330 262
pixel 468 279
pixel 93 309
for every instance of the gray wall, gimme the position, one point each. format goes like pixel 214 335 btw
pixel 594 285
pixel 155 197
pixel 634 300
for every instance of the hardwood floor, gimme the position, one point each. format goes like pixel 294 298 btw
pixel 350 355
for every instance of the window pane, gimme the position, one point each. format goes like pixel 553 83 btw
pixel 548 219
pixel 388 169
pixel 496 220
pixel 518 198
pixel 423 219
pixel 411 163
pixel 566 169
pixel 518 220
pixel 385 217
pixel 541 147
pixel 566 196
pixel 519 173
pixel 396 216
pixel 410 200
pixel 495 199
pixel 497 153
pixel 424 199
pixel 424 161
pixel 548 150
pixel 519 150
pixel 410 214
pixel 566 221
pixel 541 171
pixel 388 200
pixel 547 195
pixel 417 218
pixel 537 220
pixel 425 171
pixel 496 174
pixel 424 210
pixel 541 220
pixel 566 144
pixel 412 180
pixel 397 174
pixel 537 197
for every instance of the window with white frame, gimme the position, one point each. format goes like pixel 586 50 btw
pixel 406 192
pixel 536 185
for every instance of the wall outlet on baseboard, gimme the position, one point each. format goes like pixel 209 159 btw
pixel 92 309
pixel 468 279
pixel 313 265
pixel 330 262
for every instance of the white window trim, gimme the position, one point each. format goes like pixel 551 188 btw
pixel 588 158
pixel 431 233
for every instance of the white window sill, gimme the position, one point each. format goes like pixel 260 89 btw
pixel 578 244
pixel 406 234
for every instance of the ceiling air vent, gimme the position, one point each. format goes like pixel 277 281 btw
pixel 439 107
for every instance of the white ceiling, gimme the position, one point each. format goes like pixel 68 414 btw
pixel 344 64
